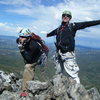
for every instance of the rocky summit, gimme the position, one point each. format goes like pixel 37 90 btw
pixel 60 87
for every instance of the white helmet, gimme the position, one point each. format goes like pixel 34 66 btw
pixel 25 32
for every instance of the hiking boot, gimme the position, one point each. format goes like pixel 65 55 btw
pixel 23 94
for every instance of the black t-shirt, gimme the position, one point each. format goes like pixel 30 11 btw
pixel 32 52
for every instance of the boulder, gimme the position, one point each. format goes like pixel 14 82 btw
pixel 60 87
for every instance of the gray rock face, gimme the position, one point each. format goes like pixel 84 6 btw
pixel 9 82
pixel 94 94
pixel 37 86
pixel 59 88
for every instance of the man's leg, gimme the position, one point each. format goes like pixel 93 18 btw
pixel 28 75
pixel 72 69
pixel 70 65
pixel 58 67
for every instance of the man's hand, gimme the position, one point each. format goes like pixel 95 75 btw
pixel 21 43
pixel 21 47
pixel 47 35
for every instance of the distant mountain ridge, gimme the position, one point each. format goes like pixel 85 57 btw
pixel 15 37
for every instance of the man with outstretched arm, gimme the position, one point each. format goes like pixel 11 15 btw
pixel 65 44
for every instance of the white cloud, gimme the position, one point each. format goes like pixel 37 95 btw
pixel 6 29
pixel 22 11
pixel 27 3
pixel 44 32
pixel 2 24
pixel 47 18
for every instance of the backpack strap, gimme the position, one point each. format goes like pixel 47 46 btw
pixel 70 25
pixel 40 42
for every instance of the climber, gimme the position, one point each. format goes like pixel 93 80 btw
pixel 31 50
pixel 65 44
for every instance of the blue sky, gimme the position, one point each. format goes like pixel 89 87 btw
pixel 42 16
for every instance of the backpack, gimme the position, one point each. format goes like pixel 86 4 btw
pixel 39 40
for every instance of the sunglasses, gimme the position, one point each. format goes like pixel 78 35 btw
pixel 63 15
pixel 24 37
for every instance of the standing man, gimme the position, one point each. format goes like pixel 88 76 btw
pixel 31 50
pixel 65 44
